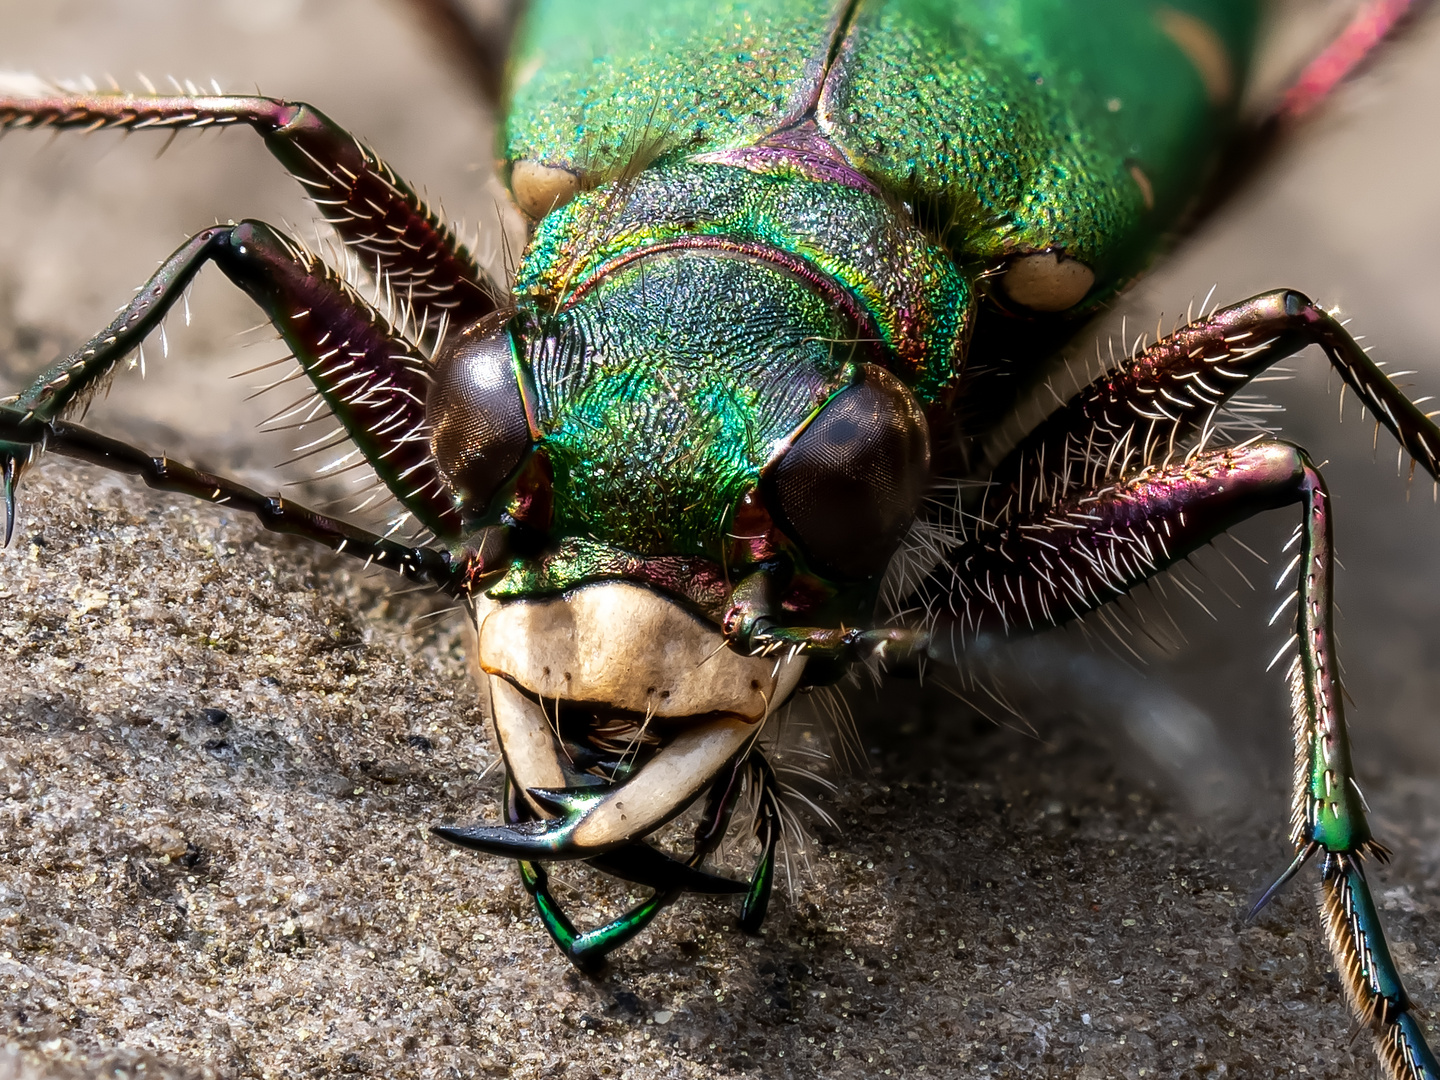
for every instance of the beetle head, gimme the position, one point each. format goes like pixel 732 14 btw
pixel 686 420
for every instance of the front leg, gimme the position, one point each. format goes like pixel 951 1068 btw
pixel 373 381
pixel 275 513
pixel 1058 559
pixel 1164 394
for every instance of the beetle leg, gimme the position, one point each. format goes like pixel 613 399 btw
pixel 767 831
pixel 372 209
pixel 10 462
pixel 1138 413
pixel 588 949
pixel 1054 561
pixel 1069 555
pixel 437 568
pixel 1252 147
pixel 1367 28
pixel 373 380
pixel 715 821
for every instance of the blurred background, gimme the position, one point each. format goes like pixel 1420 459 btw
pixel 1346 211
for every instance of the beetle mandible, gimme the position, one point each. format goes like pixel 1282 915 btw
pixel 518 478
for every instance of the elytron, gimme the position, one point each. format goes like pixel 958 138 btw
pixel 778 250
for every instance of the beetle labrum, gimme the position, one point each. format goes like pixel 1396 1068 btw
pixel 670 476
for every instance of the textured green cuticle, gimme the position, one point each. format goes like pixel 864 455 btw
pixel 665 389
pixel 1010 125
pixel 920 304
pixel 1340 823
pixel 1013 169
pixel 603 452
pixel 671 346
pixel 593 87
pixel 1022 126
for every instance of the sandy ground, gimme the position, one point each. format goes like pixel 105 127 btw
pixel 220 751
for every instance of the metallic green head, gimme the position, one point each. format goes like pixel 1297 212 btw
pixel 705 415
pixel 667 387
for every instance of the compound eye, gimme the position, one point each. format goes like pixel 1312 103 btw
pixel 479 432
pixel 848 487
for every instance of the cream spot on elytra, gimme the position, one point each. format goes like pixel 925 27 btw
pixel 1205 51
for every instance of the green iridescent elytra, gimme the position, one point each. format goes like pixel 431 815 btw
pixel 1019 124
pixel 903 152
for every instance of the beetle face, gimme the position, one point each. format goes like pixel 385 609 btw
pixel 687 419
pixel 615 681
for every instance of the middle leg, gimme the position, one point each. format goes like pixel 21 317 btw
pixel 373 381
pixel 431 566
pixel 1162 395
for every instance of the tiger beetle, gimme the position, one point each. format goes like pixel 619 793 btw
pixel 671 468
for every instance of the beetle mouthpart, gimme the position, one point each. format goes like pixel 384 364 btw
pixel 594 820
pixel 617 646
pixel 530 839
pixel 599 817
pixel 643 864
pixel 614 709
